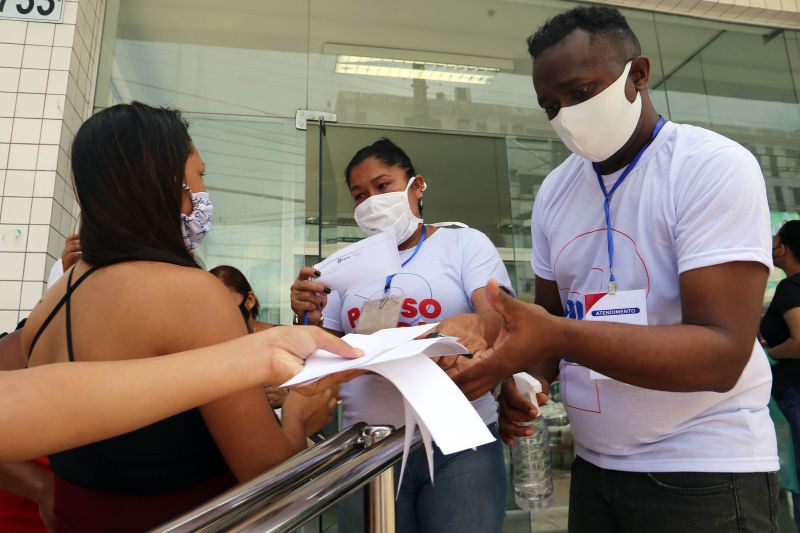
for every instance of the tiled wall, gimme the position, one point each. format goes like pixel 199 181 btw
pixel 47 76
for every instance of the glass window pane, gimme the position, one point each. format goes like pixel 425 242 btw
pixel 255 177
pixel 454 33
pixel 209 57
pixel 739 81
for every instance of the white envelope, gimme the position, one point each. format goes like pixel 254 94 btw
pixel 368 259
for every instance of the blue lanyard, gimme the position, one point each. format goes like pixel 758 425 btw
pixel 407 261
pixel 612 281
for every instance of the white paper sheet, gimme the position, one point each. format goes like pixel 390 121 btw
pixel 430 397
pixel 432 401
pixel 384 345
pixel 438 403
pixel 370 258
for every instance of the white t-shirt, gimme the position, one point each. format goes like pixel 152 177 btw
pixel 436 284
pixel 56 271
pixel 695 199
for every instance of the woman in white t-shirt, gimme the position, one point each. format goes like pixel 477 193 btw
pixel 444 274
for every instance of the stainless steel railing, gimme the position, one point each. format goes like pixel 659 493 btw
pixel 304 486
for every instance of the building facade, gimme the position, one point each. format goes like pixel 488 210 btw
pixel 448 80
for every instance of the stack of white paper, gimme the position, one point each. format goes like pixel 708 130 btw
pixel 432 400
pixel 379 347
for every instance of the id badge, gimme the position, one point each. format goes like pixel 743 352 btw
pixel 626 307
pixel 379 314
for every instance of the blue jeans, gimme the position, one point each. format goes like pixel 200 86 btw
pixel 790 407
pixel 469 493
pixel 612 501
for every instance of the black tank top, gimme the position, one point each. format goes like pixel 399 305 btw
pixel 166 456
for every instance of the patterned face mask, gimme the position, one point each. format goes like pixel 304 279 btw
pixel 197 224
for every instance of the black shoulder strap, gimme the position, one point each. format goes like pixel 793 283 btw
pixel 64 299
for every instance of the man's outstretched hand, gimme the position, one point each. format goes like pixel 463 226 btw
pixel 524 340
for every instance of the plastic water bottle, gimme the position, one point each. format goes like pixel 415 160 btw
pixel 530 456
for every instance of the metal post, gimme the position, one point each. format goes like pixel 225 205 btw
pixel 380 511
pixel 380 516
pixel 300 489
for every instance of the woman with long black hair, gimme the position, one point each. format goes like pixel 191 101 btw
pixel 137 292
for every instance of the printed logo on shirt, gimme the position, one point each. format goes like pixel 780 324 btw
pixel 584 284
pixel 419 306
pixel 617 312
pixel 574 309
pixel 412 313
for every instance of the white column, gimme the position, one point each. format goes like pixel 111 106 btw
pixel 47 74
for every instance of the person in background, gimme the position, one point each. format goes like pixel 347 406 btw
pixel 69 256
pixel 137 291
pixel 651 250
pixel 245 299
pixel 242 292
pixel 780 334
pixel 444 273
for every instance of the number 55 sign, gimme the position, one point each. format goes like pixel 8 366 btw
pixel 37 10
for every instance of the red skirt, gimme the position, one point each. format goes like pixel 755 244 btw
pixel 21 515
pixel 79 510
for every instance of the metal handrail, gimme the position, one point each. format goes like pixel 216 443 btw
pixel 300 488
pixel 291 510
pixel 238 501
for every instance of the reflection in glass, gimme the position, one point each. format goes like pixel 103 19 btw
pixel 529 162
pixel 255 178
pixel 738 81
pixel 243 59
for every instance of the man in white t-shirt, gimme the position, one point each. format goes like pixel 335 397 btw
pixel 651 246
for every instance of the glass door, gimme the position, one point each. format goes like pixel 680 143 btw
pixel 467 177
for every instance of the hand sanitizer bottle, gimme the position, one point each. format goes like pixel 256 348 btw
pixel 530 456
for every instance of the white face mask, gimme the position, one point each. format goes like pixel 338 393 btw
pixel 599 127
pixel 388 211
pixel 198 223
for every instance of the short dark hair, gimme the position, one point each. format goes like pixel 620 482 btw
pixel 233 278
pixel 789 236
pixel 128 164
pixel 384 151
pixel 597 21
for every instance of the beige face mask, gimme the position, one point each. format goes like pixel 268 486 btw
pixel 599 127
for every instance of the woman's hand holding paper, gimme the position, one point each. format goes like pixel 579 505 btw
pixel 288 347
